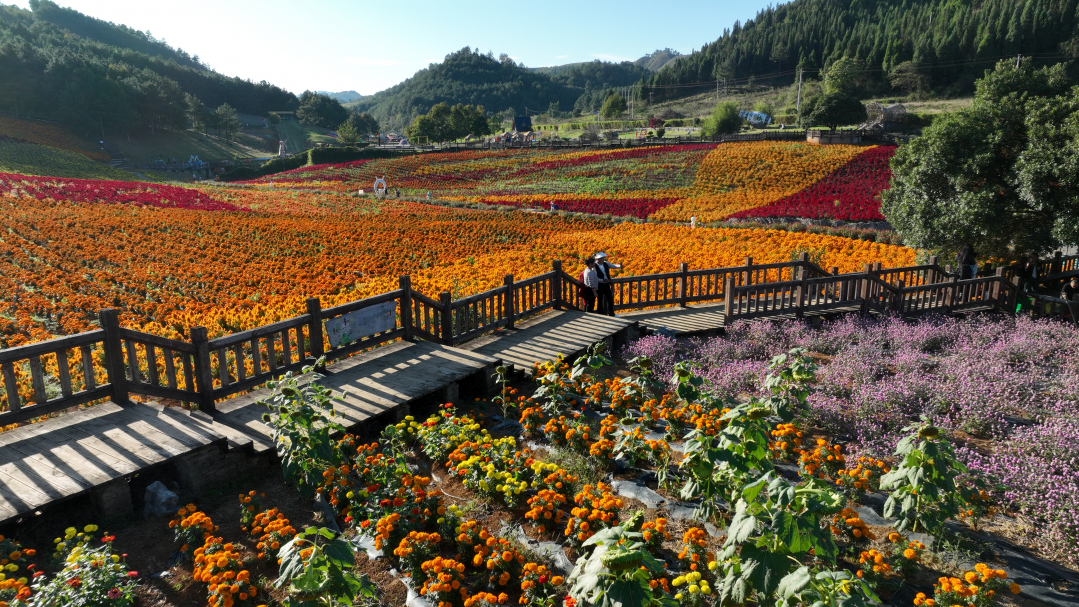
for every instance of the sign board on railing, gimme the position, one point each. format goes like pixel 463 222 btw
pixel 347 328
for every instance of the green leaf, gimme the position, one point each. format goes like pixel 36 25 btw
pixel 742 525
pixel 794 582
pixel 764 569
pixel 629 593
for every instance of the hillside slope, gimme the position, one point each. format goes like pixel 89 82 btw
pixel 65 66
pixel 953 41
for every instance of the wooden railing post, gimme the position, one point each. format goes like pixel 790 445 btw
pixel 446 323
pixel 204 379
pixel 1056 269
pixel 931 273
pixel 801 290
pixel 728 309
pixel 683 284
pixel 949 292
pixel 314 327
pixel 114 355
pixel 868 270
pixel 803 260
pixel 898 305
pixel 748 273
pixel 405 282
pixel 556 283
pixel 507 301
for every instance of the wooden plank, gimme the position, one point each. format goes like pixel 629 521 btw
pixel 18 353
pixel 371 320
pixel 286 346
pixel 256 358
pixel 271 352
pixel 37 380
pixel 64 371
pixel 189 374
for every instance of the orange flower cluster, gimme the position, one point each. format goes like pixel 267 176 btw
pixel 271 530
pixel 654 532
pixel 865 475
pixel 221 567
pixel 848 524
pixel 823 460
pixel 192 528
pixel 444 585
pixel 787 443
pixel 597 508
pixel 546 508
pixel 977 588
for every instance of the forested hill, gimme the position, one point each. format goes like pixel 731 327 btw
pixel 59 64
pixel 468 77
pixel 943 38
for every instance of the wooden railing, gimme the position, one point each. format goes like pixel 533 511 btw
pixel 114 362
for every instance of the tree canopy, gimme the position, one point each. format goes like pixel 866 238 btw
pixel 62 65
pixel 1002 175
pixel 946 37
pixel 833 110
pixel 445 123
pixel 320 110
pixel 613 107
pixel 725 120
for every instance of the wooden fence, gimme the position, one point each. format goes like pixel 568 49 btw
pixel 114 363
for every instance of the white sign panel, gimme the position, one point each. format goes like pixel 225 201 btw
pixel 350 327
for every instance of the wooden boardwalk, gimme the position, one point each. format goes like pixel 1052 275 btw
pixel 545 337
pixel 409 349
pixel 93 451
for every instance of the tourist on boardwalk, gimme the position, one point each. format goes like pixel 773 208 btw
pixel 605 292
pixel 1028 274
pixel 1071 289
pixel 966 264
pixel 591 283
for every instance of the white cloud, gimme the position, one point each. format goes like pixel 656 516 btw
pixel 562 57
pixel 614 58
pixel 365 61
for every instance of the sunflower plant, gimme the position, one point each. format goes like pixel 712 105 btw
pixel 316 570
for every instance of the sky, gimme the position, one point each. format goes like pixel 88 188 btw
pixel 367 46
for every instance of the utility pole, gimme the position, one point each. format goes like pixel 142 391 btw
pixel 717 91
pixel 1017 58
pixel 799 94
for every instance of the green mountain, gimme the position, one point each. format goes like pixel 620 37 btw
pixel 950 42
pixel 59 64
pixel 658 60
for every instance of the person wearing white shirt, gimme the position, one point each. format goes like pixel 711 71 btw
pixel 591 284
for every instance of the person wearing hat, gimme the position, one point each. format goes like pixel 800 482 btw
pixel 605 293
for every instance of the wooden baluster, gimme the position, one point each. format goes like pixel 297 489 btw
pixel 132 362
pixel 189 373
pixel 556 283
pixel 256 357
pixel 64 370
pixel 88 379
pixel 151 364
pixel 286 347
pixel 747 276
pixel 241 364
pixel 223 367
pixel 37 380
pixel 14 401
pixel 728 307
pixel 170 367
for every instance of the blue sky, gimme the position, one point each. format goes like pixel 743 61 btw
pixel 368 46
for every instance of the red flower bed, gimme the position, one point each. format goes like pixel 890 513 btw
pixel 850 193
pixel 626 207
pixel 115 192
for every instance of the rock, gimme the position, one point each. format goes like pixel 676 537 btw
pixel 160 501
pixel 870 517
pixel 639 492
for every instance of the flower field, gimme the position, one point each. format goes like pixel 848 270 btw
pixel 34 159
pixel 673 183
pixel 554 511
pixel 171 258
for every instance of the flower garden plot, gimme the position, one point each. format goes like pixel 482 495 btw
pixel 972 378
pixel 110 192
pixel 51 135
pixel 169 269
pixel 851 193
pixel 430 497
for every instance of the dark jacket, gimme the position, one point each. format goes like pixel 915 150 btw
pixel 965 257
